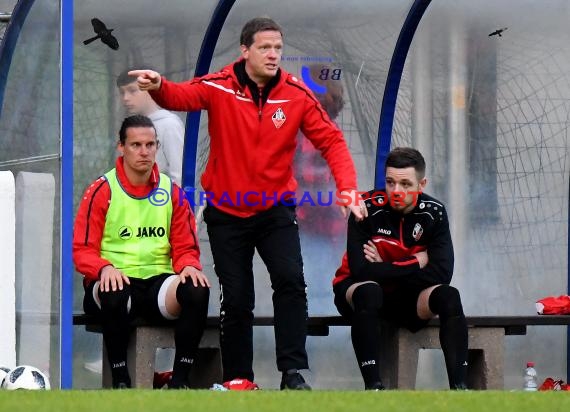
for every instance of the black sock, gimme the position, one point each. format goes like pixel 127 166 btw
pixel 115 322
pixel 120 374
pixel 181 369
pixel 446 302
pixel 189 328
pixel 365 331
pixel 453 338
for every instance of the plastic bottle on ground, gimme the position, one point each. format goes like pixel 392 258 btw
pixel 530 378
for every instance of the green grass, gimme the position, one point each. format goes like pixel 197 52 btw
pixel 316 401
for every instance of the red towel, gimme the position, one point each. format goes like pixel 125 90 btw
pixel 553 305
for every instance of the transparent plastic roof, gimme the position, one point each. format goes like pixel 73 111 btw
pixel 357 37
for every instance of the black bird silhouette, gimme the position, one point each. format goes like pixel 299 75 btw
pixel 498 32
pixel 103 33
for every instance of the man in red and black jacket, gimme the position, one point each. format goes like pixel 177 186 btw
pixel 134 242
pixel 398 266
pixel 255 111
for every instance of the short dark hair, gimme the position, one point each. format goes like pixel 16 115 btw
pixel 136 120
pixel 256 25
pixel 123 78
pixel 403 157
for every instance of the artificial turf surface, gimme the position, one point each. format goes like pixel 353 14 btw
pixel 290 401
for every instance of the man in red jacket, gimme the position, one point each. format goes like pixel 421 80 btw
pixel 255 111
pixel 135 243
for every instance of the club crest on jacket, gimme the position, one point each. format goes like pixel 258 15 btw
pixel 278 118
pixel 417 232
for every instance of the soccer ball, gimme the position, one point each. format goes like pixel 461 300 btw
pixel 3 372
pixel 25 377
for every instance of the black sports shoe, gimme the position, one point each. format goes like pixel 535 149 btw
pixel 173 385
pixel 376 386
pixel 122 385
pixel 459 387
pixel 292 379
pixel 121 378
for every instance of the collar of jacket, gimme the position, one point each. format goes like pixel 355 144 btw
pixel 132 190
pixel 244 80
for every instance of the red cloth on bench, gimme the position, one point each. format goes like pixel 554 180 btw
pixel 553 305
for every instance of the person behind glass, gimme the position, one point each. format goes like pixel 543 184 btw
pixel 255 110
pixel 135 244
pixel 398 266
pixel 169 127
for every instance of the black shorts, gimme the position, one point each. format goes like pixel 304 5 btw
pixel 399 306
pixel 144 298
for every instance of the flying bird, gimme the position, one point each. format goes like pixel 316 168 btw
pixel 498 32
pixel 104 34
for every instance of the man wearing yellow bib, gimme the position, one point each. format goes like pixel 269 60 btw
pixel 135 244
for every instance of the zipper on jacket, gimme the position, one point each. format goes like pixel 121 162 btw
pixel 402 231
pixel 259 102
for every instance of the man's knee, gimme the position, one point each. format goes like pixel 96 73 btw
pixel 236 298
pixel 367 297
pixel 115 301
pixel 189 295
pixel 236 305
pixel 289 281
pixel 445 301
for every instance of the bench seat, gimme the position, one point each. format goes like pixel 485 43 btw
pixel 399 348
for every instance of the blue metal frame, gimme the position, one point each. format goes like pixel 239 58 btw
pixel 8 45
pixel 193 118
pixel 66 308
pixel 393 84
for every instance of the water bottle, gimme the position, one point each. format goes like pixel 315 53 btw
pixel 530 380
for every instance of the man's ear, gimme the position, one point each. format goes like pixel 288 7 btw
pixel 120 147
pixel 244 51
pixel 423 184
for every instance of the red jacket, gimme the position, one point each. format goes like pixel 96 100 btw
pixel 397 238
pixel 253 135
pixel 90 223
